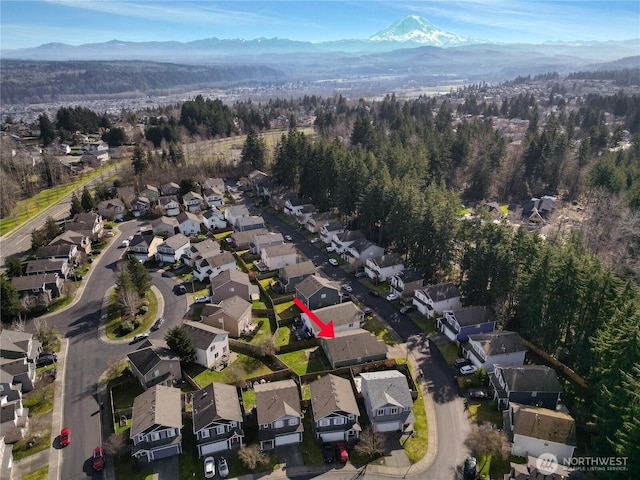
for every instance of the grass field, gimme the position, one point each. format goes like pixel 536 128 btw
pixel 303 361
pixel 251 366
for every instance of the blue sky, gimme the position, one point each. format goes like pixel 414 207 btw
pixel 27 23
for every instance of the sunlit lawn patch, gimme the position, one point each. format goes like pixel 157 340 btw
pixel 305 361
pixel 379 330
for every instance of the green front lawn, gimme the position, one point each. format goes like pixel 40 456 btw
pixel 114 318
pixel 252 367
pixel 373 325
pixel 428 325
pixel 311 446
pixel 40 474
pixel 190 466
pixel 485 411
pixel 416 446
pixel 39 401
pixel 41 441
pixel 303 361
pixel 287 310
pixel 449 351
pixel 127 467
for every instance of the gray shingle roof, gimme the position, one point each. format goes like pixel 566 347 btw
pixel 279 250
pixel 496 343
pixel 216 401
pixel 201 334
pixel 474 315
pixel 276 399
pixel 144 359
pixel 341 314
pixel 332 394
pixel 234 307
pixel 231 275
pixel 388 260
pixel 159 405
pixel 176 241
pixel 354 344
pixel 387 387
pixel 313 283
pixel 298 269
pixel 45 265
pixel 529 378
pixel 442 291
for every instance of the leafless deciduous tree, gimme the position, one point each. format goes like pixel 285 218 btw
pixel 485 442
pixel 266 345
pixel 114 445
pixel 370 444
pixel 250 456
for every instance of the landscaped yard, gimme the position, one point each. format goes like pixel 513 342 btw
pixel 250 366
pixel 382 288
pixel 304 361
pixel 428 325
pixel 311 446
pixel 114 317
pixel 449 351
pixel 41 441
pixel 373 325
pixel 485 411
pixel 39 401
pixel 283 337
pixel 265 330
pixel 124 390
pixel 416 446
pixel 249 399
pixel 287 310
pixel 40 474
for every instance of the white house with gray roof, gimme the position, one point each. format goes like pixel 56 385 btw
pixel 211 343
pixel 388 400
pixel 437 298
pixel 499 347
pixel 172 249
pixel 383 267
pixel 277 257
pixel 264 240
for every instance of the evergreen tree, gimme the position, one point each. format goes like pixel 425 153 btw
pixel 14 266
pixel 138 160
pixel 139 275
pixel 76 205
pixel 47 130
pixel 180 343
pixel 10 305
pixel 253 152
pixel 87 200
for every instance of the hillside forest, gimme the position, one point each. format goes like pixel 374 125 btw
pixel 405 171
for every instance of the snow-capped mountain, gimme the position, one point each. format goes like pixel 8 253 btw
pixel 415 29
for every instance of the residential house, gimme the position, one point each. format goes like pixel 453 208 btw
pixel 57 266
pixel 43 285
pixel 92 223
pixel 244 224
pixel 293 206
pixel 172 249
pixel 211 343
pixel 14 418
pixel 214 183
pixel 70 237
pixel 213 197
pixel 217 419
pixel 144 247
pixel 94 158
pixel 140 206
pixel 388 400
pixel 6 459
pixel 171 188
pixel 211 266
pixel 126 194
pixel 335 410
pixel 169 205
pixel 66 252
pixel 204 249
pixel 291 275
pixel 154 363
pixel 242 240
pixel 537 431
pixel 232 315
pixel 231 283
pixel 535 469
pixel 539 210
pixel 278 413
pixel 164 224
pixel 526 384
pixel 405 283
pixel 214 219
pixel 19 372
pixel 193 202
pixel 15 344
pixel 188 223
pixel 458 324
pixel 256 178
pixel 341 241
pixel 278 200
pixel 316 221
pixel 360 250
pixel 233 213
pixel 156 424
pixel 304 214
pixel 317 292
pixel 276 257
pixel 383 267
pixel 113 209
pixel 97 146
pixel 330 229
pixel 344 316
pixel 264 240
pixel 495 348
pixel 353 347
pixel 494 210
pixel 435 299
pixel 151 192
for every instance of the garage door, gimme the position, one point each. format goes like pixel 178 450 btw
pixel 212 448
pixel 332 436
pixel 386 427
pixel 287 439
pixel 165 452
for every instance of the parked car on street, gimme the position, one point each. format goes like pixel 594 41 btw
pixel 333 262
pixel 139 337
pixel 157 324
pixel 201 299
pixel 478 393
pixel 347 288
pixel 181 289
pixel 46 360
pixel 98 458
pixel 65 436
pixel 315 240
pixel 470 472
pixel 124 244
pixel 288 238
pixel 392 296
pixel 461 362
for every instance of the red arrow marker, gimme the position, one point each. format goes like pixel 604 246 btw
pixel 325 330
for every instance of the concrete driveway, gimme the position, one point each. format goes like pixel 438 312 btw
pixel 166 468
pixel 290 455
pixel 394 454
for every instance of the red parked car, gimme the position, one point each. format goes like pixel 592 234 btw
pixel 343 455
pixel 65 436
pixel 98 458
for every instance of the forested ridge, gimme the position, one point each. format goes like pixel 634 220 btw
pixel 400 171
pixel 39 82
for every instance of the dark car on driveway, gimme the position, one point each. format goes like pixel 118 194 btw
pixel 461 362
pixel 480 393
pixel 470 472
pixel 327 452
pixel 46 360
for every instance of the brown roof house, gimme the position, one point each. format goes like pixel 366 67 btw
pixel 537 430
pixel 278 413
pixel 217 419
pixel 335 411
pixel 232 315
pixel 154 363
pixel 156 424
pixel 353 347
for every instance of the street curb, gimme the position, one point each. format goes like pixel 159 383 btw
pixel 57 418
